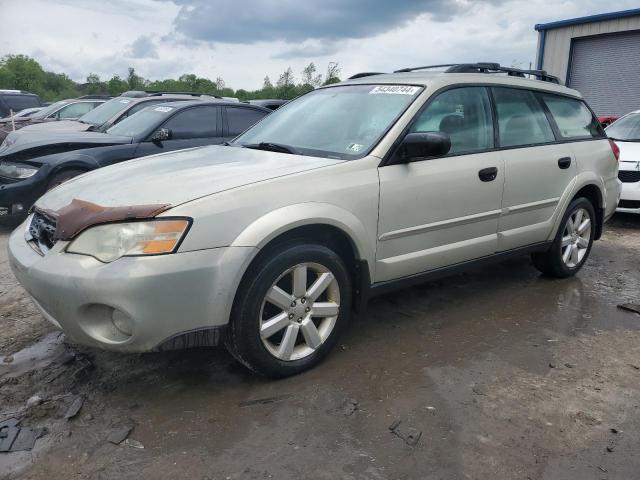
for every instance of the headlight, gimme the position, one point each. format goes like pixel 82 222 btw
pixel 110 242
pixel 17 170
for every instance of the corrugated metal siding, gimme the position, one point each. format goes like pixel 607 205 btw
pixel 558 41
pixel 606 70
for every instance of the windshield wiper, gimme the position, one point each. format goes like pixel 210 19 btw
pixel 272 147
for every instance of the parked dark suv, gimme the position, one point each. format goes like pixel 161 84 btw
pixel 32 163
pixel 16 100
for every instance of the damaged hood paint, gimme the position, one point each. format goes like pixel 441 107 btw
pixel 178 177
pixel 26 144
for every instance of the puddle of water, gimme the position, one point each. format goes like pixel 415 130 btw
pixel 34 357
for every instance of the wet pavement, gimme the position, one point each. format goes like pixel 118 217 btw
pixel 495 373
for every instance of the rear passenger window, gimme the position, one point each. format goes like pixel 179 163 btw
pixel 521 120
pixel 242 118
pixel 194 122
pixel 573 118
pixel 462 113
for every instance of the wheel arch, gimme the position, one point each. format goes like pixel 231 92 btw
pixel 593 193
pixel 324 224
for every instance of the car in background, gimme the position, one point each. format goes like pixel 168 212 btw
pixel 27 112
pixel 16 100
pixel 607 120
pixel 39 161
pixel 625 132
pixel 71 109
pixel 117 109
pixel 271 104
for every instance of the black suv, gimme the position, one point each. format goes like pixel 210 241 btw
pixel 33 162
pixel 117 109
pixel 16 100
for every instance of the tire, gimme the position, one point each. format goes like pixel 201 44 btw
pixel 267 348
pixel 63 176
pixel 557 261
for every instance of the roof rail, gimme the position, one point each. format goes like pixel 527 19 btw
pixel 154 93
pixel 94 97
pixel 364 74
pixel 487 67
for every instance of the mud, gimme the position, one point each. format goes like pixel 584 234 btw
pixel 495 373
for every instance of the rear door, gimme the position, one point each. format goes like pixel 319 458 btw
pixel 538 168
pixel 192 127
pixel 438 212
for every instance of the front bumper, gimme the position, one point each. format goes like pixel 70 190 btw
pixel 17 197
pixel 161 296
pixel 629 198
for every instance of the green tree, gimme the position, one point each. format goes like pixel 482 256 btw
pixel 115 86
pixel 285 87
pixel 333 73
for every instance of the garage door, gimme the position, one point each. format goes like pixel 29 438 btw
pixel 606 70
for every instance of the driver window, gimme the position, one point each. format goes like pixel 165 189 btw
pixel 462 113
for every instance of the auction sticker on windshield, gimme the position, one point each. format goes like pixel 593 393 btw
pixel 163 109
pixel 395 89
pixel 125 101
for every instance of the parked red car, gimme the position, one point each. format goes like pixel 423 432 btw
pixel 607 120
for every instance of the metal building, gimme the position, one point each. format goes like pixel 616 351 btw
pixel 598 55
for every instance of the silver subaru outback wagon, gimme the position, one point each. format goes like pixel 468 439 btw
pixel 270 243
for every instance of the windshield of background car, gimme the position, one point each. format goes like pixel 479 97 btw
pixel 338 122
pixel 45 112
pixel 627 128
pixel 142 123
pixel 104 112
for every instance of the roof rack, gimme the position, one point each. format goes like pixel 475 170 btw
pixel 94 97
pixel 154 93
pixel 364 74
pixel 487 67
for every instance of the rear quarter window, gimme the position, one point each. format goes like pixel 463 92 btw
pixel 573 118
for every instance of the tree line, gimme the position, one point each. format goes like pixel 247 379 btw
pixel 20 72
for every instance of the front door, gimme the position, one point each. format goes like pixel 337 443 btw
pixel 438 212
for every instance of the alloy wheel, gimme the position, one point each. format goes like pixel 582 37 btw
pixel 299 311
pixel 576 238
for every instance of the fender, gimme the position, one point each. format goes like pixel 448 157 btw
pixel 284 219
pixel 583 179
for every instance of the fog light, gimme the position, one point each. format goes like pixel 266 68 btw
pixel 17 208
pixel 122 322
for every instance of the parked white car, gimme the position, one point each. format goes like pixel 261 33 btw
pixel 626 133
pixel 270 243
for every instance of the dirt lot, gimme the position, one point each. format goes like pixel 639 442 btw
pixel 496 373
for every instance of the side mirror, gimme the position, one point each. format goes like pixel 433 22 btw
pixel 161 134
pixel 422 145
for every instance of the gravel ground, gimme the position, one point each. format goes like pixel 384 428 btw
pixel 495 373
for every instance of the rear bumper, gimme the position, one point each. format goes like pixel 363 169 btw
pixel 629 198
pixel 161 297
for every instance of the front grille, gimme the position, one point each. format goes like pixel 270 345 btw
pixel 629 204
pixel 629 176
pixel 40 232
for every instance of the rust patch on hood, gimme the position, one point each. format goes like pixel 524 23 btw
pixel 80 215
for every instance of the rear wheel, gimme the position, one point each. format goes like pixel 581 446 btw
pixel 573 242
pixel 290 310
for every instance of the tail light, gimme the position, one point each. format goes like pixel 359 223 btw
pixel 615 149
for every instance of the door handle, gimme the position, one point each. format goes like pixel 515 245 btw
pixel 564 162
pixel 488 174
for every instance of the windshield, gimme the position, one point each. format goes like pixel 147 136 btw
pixel 142 123
pixel 104 112
pixel 338 122
pixel 45 112
pixel 627 128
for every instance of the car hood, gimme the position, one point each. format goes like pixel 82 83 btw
pixel 59 126
pixel 629 154
pixel 178 177
pixel 25 144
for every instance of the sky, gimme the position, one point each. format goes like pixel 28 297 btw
pixel 244 40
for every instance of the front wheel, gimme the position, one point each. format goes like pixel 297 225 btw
pixel 573 242
pixel 290 310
